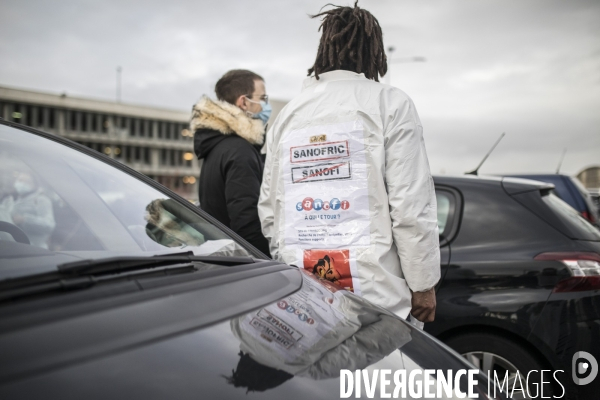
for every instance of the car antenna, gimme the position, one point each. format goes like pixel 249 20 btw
pixel 561 161
pixel 474 172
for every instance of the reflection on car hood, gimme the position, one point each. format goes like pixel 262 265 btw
pixel 293 348
pixel 318 330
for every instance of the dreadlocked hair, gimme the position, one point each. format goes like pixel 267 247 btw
pixel 352 41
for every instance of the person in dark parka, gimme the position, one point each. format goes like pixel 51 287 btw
pixel 227 136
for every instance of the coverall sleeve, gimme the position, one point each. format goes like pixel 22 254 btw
pixel 242 187
pixel 267 201
pixel 411 195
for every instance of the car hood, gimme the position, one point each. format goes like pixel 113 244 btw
pixel 292 348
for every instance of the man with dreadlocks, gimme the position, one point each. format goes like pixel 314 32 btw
pixel 347 175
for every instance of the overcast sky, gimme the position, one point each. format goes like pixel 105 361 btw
pixel 530 68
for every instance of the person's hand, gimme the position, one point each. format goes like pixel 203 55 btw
pixel 423 305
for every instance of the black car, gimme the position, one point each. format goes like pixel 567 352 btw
pixel 520 287
pixel 113 287
pixel 571 191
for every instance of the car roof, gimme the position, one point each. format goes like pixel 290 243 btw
pixel 449 179
pixel 510 184
pixel 541 176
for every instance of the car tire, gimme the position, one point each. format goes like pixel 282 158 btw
pixel 503 354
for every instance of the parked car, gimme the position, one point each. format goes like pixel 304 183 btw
pixel 595 196
pixel 520 287
pixel 571 191
pixel 113 287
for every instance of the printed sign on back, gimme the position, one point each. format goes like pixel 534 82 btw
pixel 326 188
pixel 326 199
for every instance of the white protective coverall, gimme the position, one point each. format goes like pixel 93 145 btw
pixel 347 192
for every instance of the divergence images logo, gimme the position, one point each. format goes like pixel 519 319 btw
pixel 308 204
pixel 584 364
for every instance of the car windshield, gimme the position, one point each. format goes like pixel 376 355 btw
pixel 60 205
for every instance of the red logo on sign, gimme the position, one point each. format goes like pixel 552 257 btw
pixel 326 205
pixel 345 204
pixel 307 204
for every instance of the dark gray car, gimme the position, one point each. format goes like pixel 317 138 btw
pixel 113 287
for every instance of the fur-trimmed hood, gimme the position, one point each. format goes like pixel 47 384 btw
pixel 226 118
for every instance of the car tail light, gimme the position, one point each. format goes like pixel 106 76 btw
pixel 584 269
pixel 588 216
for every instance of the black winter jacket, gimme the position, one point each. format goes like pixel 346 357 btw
pixel 231 173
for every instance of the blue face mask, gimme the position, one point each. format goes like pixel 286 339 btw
pixel 265 113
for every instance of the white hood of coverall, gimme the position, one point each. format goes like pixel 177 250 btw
pixel 347 177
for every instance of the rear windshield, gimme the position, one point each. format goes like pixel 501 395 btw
pixel 576 224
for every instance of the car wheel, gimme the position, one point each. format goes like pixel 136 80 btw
pixel 492 353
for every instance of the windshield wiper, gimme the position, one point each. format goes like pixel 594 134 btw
pixel 83 282
pixel 119 264
pixel 84 273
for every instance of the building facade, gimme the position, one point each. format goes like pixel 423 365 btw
pixel 156 142
pixel 590 177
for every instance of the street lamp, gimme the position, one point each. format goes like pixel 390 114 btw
pixel 400 60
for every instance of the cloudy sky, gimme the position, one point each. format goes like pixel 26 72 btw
pixel 530 68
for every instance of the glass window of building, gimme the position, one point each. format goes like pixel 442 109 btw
pixel 52 118
pixel 84 121
pixel 39 117
pixel 94 122
pixel 105 123
pixel 147 130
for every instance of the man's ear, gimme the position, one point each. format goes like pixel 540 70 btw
pixel 241 102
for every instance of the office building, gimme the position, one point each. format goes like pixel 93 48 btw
pixel 154 141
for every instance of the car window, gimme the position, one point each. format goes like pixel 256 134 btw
pixel 56 198
pixel 443 209
pixel 43 216
pixel 447 204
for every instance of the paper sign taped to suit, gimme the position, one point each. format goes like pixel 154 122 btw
pixel 326 188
